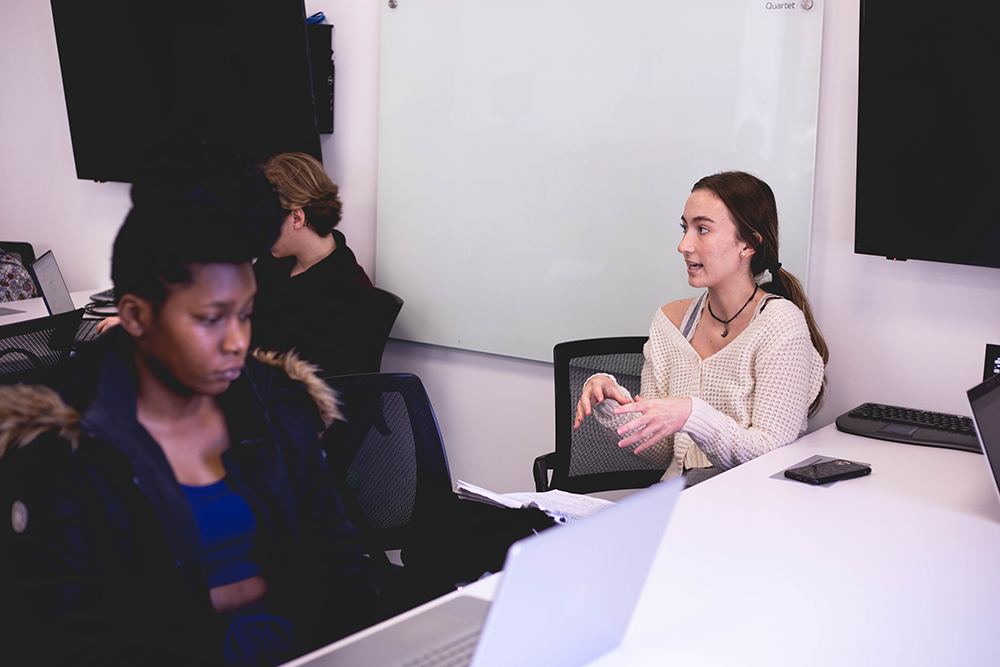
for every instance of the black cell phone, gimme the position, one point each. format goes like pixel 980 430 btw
pixel 824 472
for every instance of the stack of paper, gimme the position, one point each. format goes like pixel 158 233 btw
pixel 562 506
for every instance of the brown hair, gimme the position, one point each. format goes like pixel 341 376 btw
pixel 751 206
pixel 302 183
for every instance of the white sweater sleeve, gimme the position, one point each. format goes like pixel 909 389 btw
pixel 788 373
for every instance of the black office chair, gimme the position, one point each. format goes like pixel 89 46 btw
pixel 588 459
pixel 23 251
pixel 29 349
pixel 385 310
pixel 388 459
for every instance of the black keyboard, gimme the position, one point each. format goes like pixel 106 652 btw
pixel 916 427
pixel 106 296
pixel 86 332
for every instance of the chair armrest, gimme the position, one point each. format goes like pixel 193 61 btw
pixel 543 464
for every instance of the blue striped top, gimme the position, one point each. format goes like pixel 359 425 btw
pixel 227 527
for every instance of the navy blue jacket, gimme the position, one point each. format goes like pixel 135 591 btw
pixel 99 562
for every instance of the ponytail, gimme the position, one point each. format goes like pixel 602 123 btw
pixel 752 207
pixel 788 286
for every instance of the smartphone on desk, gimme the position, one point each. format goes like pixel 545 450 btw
pixel 824 472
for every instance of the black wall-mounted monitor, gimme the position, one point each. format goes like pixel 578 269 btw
pixel 137 75
pixel 928 129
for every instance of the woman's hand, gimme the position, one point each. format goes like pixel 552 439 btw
pixel 596 390
pixel 106 324
pixel 657 418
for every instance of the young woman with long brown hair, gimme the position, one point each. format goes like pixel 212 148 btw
pixel 735 372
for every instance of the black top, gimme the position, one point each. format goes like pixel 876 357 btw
pixel 324 312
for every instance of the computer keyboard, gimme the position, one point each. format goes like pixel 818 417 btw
pixel 457 653
pixel 106 296
pixel 916 427
pixel 86 332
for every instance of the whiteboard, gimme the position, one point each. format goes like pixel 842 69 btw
pixel 535 156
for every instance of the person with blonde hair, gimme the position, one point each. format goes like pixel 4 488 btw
pixel 312 295
pixel 735 372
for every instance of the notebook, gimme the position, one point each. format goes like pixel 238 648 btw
pixel 566 598
pixel 56 295
pixel 985 402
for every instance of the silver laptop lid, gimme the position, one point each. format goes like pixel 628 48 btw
pixel 50 282
pixel 567 596
pixel 985 402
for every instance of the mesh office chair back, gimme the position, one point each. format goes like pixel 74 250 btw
pixel 588 459
pixel 387 458
pixel 29 349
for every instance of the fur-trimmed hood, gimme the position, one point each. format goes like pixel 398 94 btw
pixel 27 411
pixel 302 371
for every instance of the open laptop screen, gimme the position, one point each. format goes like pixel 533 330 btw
pixel 985 402
pixel 50 282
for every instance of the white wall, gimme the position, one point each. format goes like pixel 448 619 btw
pixel 41 200
pixel 908 333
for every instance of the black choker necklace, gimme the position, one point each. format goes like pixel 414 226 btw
pixel 726 322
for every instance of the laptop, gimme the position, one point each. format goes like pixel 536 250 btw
pixel 56 295
pixel 985 402
pixel 566 598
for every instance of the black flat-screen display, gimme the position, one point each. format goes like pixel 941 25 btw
pixel 137 75
pixel 928 125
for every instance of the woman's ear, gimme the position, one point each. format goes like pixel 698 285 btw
pixel 298 218
pixel 136 314
pixel 749 250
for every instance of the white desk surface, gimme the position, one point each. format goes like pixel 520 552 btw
pixel 898 568
pixel 34 308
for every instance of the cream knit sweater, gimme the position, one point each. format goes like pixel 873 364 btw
pixel 748 398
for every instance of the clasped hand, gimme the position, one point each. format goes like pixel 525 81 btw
pixel 656 418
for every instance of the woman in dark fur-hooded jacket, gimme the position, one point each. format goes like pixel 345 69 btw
pixel 168 499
